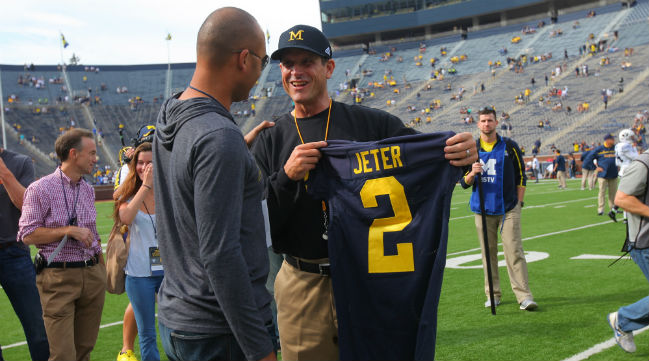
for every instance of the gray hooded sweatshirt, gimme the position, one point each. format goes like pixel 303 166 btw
pixel 208 193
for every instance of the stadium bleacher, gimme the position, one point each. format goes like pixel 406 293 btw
pixel 150 84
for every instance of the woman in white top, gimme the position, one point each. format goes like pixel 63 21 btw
pixel 135 206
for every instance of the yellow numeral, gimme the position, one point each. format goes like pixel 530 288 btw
pixel 377 261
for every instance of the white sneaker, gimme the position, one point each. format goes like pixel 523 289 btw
pixel 529 305
pixel 488 303
pixel 623 339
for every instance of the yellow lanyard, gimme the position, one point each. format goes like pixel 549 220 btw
pixel 324 205
pixel 326 130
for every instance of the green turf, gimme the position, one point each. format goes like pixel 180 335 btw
pixel 574 296
pixel 110 338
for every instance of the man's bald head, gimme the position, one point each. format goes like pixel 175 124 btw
pixel 225 30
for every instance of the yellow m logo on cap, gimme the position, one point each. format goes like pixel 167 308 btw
pixel 295 36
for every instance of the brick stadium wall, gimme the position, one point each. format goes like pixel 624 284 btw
pixel 103 193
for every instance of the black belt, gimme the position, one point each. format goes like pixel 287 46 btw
pixel 322 269
pixel 80 264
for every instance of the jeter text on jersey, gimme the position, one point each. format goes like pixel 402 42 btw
pixel 368 161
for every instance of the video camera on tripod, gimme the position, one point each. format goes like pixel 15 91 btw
pixel 145 134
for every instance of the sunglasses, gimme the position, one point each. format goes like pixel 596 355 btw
pixel 486 109
pixel 264 60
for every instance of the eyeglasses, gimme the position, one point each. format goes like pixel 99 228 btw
pixel 264 60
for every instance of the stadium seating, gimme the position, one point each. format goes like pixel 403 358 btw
pixel 415 85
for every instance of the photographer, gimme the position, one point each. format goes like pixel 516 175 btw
pixel 632 197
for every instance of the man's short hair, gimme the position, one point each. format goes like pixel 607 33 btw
pixel 488 110
pixel 70 139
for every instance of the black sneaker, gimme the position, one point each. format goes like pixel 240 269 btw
pixel 611 215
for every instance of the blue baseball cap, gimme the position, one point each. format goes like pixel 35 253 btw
pixel 145 134
pixel 303 37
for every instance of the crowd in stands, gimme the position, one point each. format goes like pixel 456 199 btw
pixel 388 89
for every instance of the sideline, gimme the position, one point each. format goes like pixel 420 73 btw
pixel 529 192
pixel 538 236
pixel 534 206
pixel 603 346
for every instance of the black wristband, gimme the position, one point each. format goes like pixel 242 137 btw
pixel 522 204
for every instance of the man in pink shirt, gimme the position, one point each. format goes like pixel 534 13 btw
pixel 59 218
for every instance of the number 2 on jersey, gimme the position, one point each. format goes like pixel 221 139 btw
pixel 377 261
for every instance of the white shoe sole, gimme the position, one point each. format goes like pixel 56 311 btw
pixel 531 307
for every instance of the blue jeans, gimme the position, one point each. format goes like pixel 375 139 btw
pixel 190 346
pixel 18 279
pixel 141 292
pixel 636 315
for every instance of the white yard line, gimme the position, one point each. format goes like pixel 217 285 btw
pixel 536 206
pixel 23 343
pixel 527 193
pixel 562 202
pixel 599 347
pixel 14 345
pixel 539 236
pixel 567 230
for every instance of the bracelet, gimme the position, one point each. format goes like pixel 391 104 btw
pixel 144 185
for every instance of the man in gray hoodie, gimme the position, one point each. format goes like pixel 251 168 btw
pixel 213 303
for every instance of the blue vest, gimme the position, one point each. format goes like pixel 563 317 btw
pixel 492 181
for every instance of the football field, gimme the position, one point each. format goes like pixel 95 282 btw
pixel 569 249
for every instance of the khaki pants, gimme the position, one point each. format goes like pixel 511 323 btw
pixel 604 184
pixel 561 177
pixel 72 300
pixel 513 249
pixel 588 176
pixel 306 315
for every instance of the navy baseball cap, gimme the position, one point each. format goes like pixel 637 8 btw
pixel 145 134
pixel 608 136
pixel 303 37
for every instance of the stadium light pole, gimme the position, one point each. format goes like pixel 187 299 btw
pixel 168 82
pixel 485 241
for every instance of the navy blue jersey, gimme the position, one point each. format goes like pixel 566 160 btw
pixel 586 161
pixel 605 157
pixel 388 206
pixel 561 163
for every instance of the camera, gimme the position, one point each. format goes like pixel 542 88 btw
pixel 39 263
pixel 145 134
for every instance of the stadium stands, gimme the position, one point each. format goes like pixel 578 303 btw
pixel 542 50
